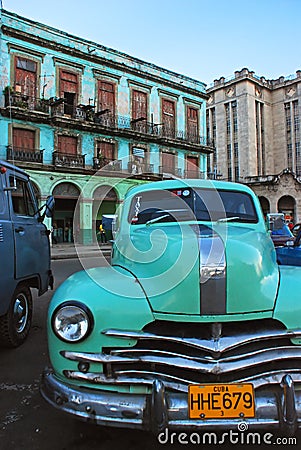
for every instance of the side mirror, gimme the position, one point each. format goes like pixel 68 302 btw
pixel 49 206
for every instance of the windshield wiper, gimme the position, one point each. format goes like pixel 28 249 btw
pixel 227 219
pixel 156 219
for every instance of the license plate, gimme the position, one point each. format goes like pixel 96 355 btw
pixel 221 401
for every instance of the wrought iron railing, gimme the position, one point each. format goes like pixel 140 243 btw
pixel 107 164
pixel 21 154
pixel 68 160
pixel 138 168
pixel 107 119
pixel 171 170
pixel 23 101
pixel 193 173
pixel 104 118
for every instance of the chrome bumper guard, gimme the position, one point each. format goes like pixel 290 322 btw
pixel 275 409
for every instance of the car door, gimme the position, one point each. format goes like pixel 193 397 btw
pixel 30 235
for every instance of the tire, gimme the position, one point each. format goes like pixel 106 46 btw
pixel 15 324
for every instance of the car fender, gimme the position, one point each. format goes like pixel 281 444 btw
pixel 115 300
pixel 288 305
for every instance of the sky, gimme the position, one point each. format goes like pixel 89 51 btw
pixel 202 39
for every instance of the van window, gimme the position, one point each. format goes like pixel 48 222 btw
pixel 23 203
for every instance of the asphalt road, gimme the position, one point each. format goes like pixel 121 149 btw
pixel 28 422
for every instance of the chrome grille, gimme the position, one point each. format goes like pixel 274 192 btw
pixel 181 354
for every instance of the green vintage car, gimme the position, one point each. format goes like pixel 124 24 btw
pixel 194 325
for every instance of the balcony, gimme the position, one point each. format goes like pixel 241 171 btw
pixel 105 118
pixel 138 168
pixel 19 100
pixel 194 173
pixel 26 155
pixel 60 159
pixel 57 108
pixel 107 164
pixel 177 172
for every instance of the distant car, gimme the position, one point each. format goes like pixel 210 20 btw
pixel 290 254
pixel 296 228
pixel 281 236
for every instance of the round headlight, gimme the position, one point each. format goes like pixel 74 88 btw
pixel 72 322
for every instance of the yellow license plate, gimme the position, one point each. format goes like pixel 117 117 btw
pixel 221 401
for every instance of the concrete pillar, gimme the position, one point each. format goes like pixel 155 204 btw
pixel 85 221
pixel 273 204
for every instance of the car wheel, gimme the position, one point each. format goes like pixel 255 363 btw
pixel 15 324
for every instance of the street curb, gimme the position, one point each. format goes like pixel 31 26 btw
pixel 82 255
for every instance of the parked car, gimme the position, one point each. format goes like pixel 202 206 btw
pixel 290 254
pixel 296 228
pixel 25 253
pixel 280 232
pixel 193 326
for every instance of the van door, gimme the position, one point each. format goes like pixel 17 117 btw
pixel 32 251
pixel 7 281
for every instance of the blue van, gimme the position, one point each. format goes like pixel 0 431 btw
pixel 24 253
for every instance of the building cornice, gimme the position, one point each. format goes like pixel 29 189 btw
pixel 245 74
pixel 271 179
pixel 29 51
pixel 100 60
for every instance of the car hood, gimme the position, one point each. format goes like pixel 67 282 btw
pixel 200 269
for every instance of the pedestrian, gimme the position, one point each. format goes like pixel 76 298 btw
pixel 54 233
pixel 102 231
pixel 67 232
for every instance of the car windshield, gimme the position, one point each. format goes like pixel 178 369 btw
pixel 185 204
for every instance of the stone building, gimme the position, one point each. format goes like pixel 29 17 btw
pixel 255 126
pixel 89 122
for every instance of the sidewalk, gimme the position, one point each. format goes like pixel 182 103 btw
pixel 68 251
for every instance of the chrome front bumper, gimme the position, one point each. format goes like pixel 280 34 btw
pixel 277 407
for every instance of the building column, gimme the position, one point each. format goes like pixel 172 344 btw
pixel 273 204
pixel 84 229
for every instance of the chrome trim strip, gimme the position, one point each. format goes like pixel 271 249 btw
pixel 223 365
pixel 219 345
pixel 213 271
pixel 145 378
pixel 126 378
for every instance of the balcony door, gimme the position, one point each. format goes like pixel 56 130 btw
pixel 192 167
pixel 105 154
pixel 106 103
pixel 23 139
pixel 26 80
pixel 168 162
pixel 67 144
pixel 168 118
pixel 139 111
pixel 192 124
pixel 69 90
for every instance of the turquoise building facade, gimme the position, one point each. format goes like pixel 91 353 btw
pixel 89 122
